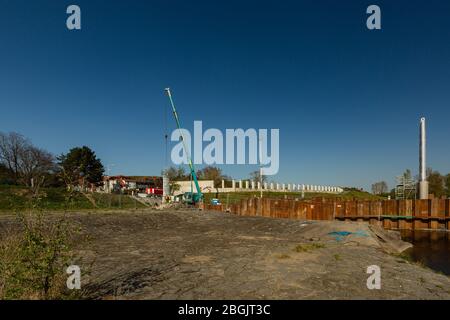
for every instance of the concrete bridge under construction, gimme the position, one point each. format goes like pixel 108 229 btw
pixel 249 185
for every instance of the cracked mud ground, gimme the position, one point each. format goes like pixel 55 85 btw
pixel 189 254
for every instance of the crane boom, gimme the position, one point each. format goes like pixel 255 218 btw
pixel 191 165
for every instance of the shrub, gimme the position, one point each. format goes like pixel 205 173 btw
pixel 33 261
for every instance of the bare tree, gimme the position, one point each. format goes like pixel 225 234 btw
pixel 28 164
pixel 255 176
pixel 379 187
pixel 35 165
pixel 12 146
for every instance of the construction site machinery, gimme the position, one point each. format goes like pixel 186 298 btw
pixel 188 197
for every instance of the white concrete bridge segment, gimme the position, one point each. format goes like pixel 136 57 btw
pixel 250 185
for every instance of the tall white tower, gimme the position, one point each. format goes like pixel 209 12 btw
pixel 423 183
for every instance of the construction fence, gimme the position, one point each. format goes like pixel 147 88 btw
pixel 390 214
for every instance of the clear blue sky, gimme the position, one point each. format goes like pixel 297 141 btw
pixel 347 100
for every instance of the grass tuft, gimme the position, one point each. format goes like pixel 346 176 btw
pixel 308 247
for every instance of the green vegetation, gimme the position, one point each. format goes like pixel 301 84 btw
pixel 337 257
pixel 358 195
pixel 407 258
pixel 234 197
pixel 308 247
pixel 212 173
pixel 175 174
pixel 80 166
pixel 34 257
pixel 17 198
pixel 23 164
pixel 438 184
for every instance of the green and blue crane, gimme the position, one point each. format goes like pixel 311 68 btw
pixel 189 197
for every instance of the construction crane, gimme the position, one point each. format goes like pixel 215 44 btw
pixel 189 197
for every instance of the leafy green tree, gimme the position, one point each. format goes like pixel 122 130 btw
pixel 176 174
pixel 436 183
pixel 81 165
pixel 212 173
pixel 447 184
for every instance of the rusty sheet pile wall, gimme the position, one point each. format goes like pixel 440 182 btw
pixel 391 214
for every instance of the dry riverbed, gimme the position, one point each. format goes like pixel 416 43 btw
pixel 188 254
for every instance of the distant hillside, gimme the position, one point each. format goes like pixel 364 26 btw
pixel 16 198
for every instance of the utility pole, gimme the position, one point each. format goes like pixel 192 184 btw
pixel 260 169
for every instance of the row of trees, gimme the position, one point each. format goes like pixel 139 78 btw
pixel 207 173
pixel 438 184
pixel 22 163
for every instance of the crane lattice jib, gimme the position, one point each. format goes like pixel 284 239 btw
pixel 191 165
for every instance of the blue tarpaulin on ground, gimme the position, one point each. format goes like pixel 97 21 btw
pixel 340 235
